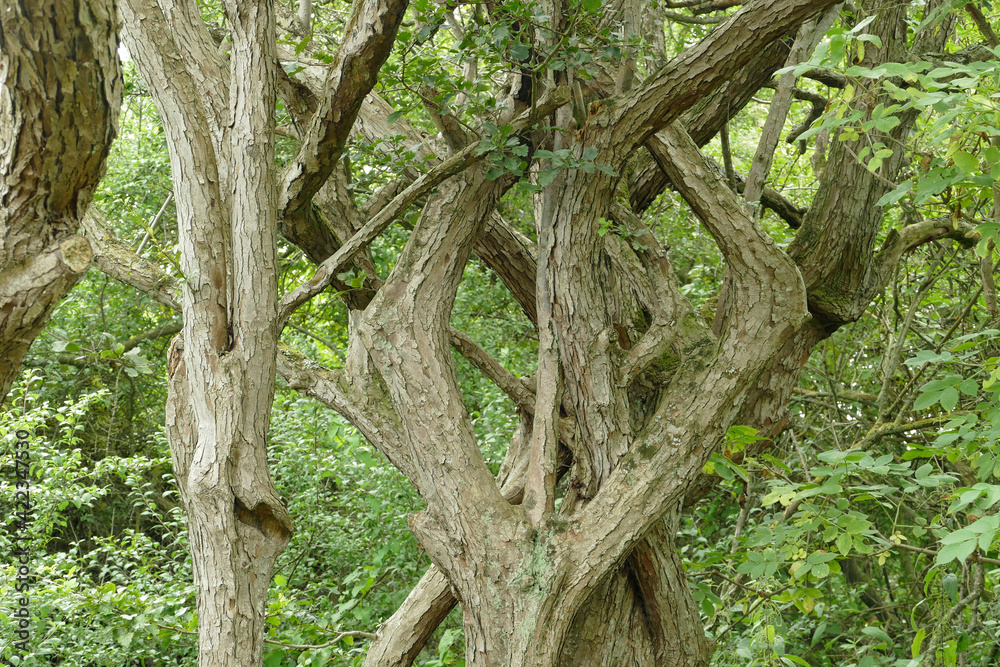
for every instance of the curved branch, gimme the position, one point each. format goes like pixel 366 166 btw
pixel 701 69
pixel 115 258
pixel 755 261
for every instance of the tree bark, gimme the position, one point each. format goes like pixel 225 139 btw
pixel 221 374
pixel 538 586
pixel 60 93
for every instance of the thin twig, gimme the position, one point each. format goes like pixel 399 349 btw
pixel 274 642
pixel 932 552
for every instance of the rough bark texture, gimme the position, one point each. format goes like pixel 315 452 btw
pixel 219 123
pixel 60 92
pixel 597 582
pixel 222 366
pixel 370 32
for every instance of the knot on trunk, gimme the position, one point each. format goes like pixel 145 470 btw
pixel 272 522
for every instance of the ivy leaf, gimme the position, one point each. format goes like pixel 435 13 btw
pixel 592 6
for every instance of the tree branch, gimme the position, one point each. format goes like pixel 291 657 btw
pixel 356 398
pixel 984 26
pixel 809 35
pixel 701 69
pixel 677 17
pixel 60 86
pixel 761 269
pixel 513 386
pixel 115 258
pixel 328 270
pixel 370 33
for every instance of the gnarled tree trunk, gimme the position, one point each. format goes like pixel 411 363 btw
pixel 632 385
pixel 219 124
pixel 60 93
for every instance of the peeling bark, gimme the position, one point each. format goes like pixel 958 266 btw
pixel 222 366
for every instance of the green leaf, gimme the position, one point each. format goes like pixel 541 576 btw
pixel 966 162
pixel 844 543
pixel 592 6
pixel 547 176
pixel 520 52
pixel 274 659
pixel 918 640
pixel 958 551
pixel 926 400
pixel 818 557
pixel 887 123
pixel 854 525
pixel 897 194
pixel 949 399
pixel 950 585
pixel 877 633
pixel 928 357
pixel 395 115
pixel 969 387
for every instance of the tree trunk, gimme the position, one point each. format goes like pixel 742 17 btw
pixel 643 615
pixel 599 582
pixel 60 93
pixel 222 366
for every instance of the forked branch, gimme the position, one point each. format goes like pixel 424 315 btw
pixel 459 162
